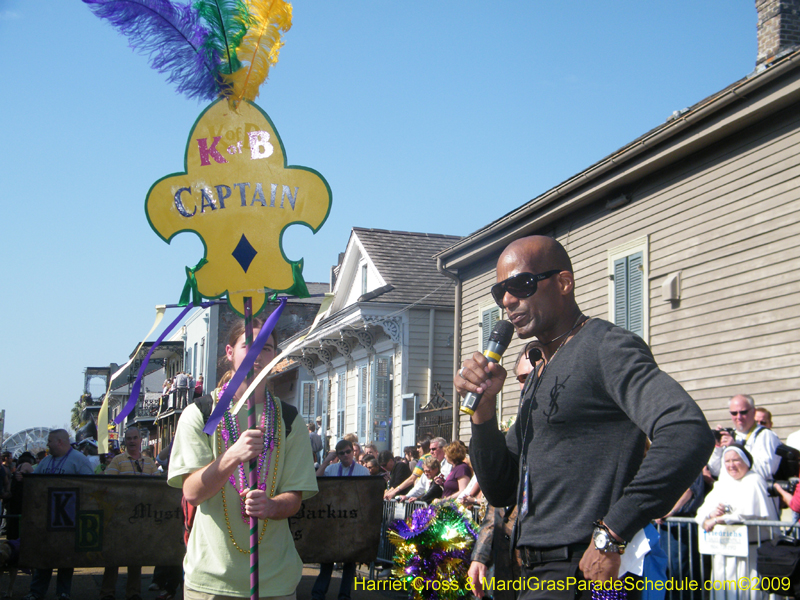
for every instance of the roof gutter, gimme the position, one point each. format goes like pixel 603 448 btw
pixel 647 142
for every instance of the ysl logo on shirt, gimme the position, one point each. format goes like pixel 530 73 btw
pixel 552 410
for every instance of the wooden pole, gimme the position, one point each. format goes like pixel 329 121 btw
pixel 252 473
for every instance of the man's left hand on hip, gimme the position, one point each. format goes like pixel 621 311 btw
pixel 597 565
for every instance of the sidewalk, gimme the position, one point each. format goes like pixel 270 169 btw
pixel 86 585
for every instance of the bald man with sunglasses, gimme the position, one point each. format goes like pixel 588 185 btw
pixel 760 441
pixel 572 462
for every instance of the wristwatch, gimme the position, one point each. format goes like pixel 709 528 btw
pixel 604 541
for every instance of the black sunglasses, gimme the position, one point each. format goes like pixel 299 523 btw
pixel 521 285
pixel 739 412
pixel 345 452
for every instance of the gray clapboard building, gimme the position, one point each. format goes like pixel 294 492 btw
pixel 688 235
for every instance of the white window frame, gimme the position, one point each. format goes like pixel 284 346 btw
pixel 375 416
pixel 323 398
pixel 363 396
pixel 308 384
pixel 341 403
pixel 320 408
pixel 630 248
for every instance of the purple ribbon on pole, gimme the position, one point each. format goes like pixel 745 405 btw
pixel 138 383
pixel 224 401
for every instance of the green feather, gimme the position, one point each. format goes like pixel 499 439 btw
pixel 227 21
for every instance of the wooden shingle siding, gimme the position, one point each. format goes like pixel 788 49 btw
pixel 417 359
pixel 727 218
pixel 443 352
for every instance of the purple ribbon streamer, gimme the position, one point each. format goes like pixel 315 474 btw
pixel 224 401
pixel 138 383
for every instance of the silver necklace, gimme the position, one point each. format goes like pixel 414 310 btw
pixel 566 333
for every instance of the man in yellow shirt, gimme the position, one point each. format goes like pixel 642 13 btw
pixel 130 462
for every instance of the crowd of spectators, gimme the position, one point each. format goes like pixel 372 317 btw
pixel 179 391
pixel 442 472
pixel 82 458
pixel 433 469
pixel 736 485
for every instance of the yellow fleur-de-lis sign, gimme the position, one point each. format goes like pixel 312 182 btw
pixel 239 196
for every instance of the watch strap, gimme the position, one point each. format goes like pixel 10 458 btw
pixel 617 546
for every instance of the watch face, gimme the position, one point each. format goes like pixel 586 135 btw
pixel 600 539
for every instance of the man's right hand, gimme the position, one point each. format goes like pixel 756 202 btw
pixel 480 376
pixel 725 438
pixel 248 446
pixel 476 575
pixel 392 493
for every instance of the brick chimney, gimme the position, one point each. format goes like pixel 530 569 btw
pixel 778 27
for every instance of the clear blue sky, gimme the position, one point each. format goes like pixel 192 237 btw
pixel 422 116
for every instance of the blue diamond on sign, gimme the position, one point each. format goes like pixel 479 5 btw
pixel 244 253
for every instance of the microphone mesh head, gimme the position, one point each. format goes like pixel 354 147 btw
pixel 502 333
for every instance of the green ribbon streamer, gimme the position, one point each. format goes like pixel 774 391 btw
pixel 190 291
pixel 299 288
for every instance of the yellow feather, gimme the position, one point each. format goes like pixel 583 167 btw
pixel 260 47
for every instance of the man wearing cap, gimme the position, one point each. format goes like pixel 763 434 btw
pixel 89 449
pixel 573 460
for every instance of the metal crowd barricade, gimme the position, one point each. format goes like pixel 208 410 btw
pixel 686 563
pixel 392 511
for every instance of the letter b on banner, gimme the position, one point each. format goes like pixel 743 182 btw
pixel 89 536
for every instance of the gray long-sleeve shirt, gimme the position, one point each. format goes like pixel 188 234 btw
pixel 584 437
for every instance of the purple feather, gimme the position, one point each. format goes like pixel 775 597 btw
pixel 172 36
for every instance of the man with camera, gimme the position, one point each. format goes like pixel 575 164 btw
pixel 574 460
pixel 758 440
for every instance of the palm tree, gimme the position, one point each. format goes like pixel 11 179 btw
pixel 75 415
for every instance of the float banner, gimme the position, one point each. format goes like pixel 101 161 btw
pixel 342 523
pixel 238 195
pixel 99 521
pixel 727 540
